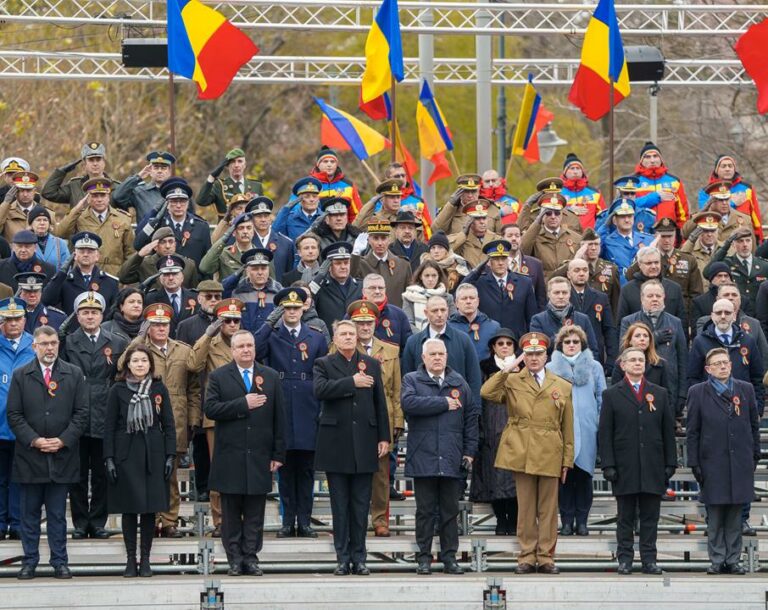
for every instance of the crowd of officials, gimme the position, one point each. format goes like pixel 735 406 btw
pixel 515 344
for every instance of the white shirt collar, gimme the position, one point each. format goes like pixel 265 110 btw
pixel 250 371
pixel 434 334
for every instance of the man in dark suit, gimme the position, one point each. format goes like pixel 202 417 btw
pixel 718 274
pixel 47 411
pixel 505 296
pixel 172 291
pixel 353 436
pixel 245 400
pixel 525 265
pixel 596 306
pixel 406 243
pixel 637 449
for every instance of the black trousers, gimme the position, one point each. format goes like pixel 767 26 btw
pixel 54 497
pixel 296 480
pixel 575 497
pixel 649 506
pixel 437 495
pixel 202 461
pixel 90 513
pixel 350 500
pixel 242 526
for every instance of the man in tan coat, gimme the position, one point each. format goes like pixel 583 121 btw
pixel 470 241
pixel 531 206
pixel 365 314
pixel 170 359
pixel 537 445
pixel 385 204
pixel 547 239
pixel 93 213
pixel 211 351
pixel 720 201
pixel 15 209
pixel 703 241
pixel 453 216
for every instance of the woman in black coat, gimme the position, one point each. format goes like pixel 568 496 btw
pixel 640 335
pixel 491 484
pixel 139 452
pixel 125 317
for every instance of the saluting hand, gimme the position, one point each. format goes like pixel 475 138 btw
pixel 362 380
pixel 149 248
pixel 144 173
pixel 514 365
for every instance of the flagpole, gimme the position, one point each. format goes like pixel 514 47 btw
pixel 370 171
pixel 172 114
pixel 452 157
pixel 393 122
pixel 611 137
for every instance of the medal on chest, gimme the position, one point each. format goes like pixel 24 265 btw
pixel 599 312
pixel 475 328
pixel 387 326
pixel 744 351
pixel 303 349
pixel 258 381
pixel 158 403
pixel 737 405
pixel 52 387
pixel 185 236
pixel 511 291
pixel 108 355
pixel 262 298
pixel 649 397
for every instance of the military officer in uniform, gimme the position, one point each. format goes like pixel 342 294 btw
pixel 23 258
pixel 731 220
pixel 296 217
pixel 385 205
pixel 172 291
pixel 224 259
pixel 142 195
pixel 537 444
pixel 532 205
pixel 93 213
pixel 333 289
pixel 94 156
pixel 292 348
pixel 257 290
pixel 82 276
pixel 748 271
pixel 395 270
pixel 14 214
pixel 143 264
pixel 8 167
pixel 622 244
pixel 283 254
pixel 453 217
pixel 191 231
pixel 218 190
pixel 547 239
pixel 333 226
pixel 31 290
pixel 703 241
pixel 470 241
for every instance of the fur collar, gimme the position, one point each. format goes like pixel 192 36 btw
pixel 579 373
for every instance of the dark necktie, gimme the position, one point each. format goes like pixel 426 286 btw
pixel 294 334
pixel 178 228
pixel 87 278
pixel 175 302
pixel 724 339
pixel 93 339
pixel 437 380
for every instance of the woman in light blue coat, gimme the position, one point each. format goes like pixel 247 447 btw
pixel 573 361
pixel 50 248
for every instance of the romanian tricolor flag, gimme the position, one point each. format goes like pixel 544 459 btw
pixel 204 47
pixel 752 49
pixel 342 131
pixel 602 63
pixel 532 119
pixel 383 53
pixel 434 136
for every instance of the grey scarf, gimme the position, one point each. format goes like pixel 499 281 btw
pixel 140 407
pixel 560 314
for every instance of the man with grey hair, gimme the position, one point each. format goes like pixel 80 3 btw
pixel 443 435
pixel 649 261
pixel 392 325
pixel 462 357
pixel 470 320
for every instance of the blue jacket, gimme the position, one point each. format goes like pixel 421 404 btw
pixel 438 438
pixel 512 308
pixel 56 252
pixel 282 252
pixel 292 221
pixel 746 360
pixel 44 316
pixel 480 335
pixel 462 357
pixel 64 287
pixel 193 241
pixel 294 361
pixel 9 362
pixel 255 314
pixel 617 250
pixel 546 322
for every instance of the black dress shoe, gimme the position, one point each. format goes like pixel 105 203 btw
pixel 26 573
pixel 625 569
pixel 100 533
pixel 747 529
pixel 424 569
pixel 715 568
pixel 736 569
pixel 235 570
pixel 582 529
pixel 525 568
pixel 78 534
pixel 452 567
pixel 396 495
pixel 287 531
pixel 63 572
pixel 14 535
pixel 651 568
pixel 341 570
pixel 216 533
pixel 566 530
pixel 305 531
pixel 361 569
pixel 548 568
pixel 251 568
pixel 170 531
pixel 2 534
pixel 512 531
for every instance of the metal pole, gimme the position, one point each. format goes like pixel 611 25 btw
pixel 483 94
pixel 172 113
pixel 653 90
pixel 426 67
pixel 501 118
pixel 393 123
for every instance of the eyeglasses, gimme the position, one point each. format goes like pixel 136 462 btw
pixel 571 341
pixel 216 296
pixel 504 343
pixel 231 321
pixel 552 213
pixel 720 363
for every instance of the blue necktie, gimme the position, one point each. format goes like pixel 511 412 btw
pixel 247 380
pixel 637 387
pixel 175 302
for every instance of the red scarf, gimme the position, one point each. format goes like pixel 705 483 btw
pixel 735 180
pixel 407 190
pixel 323 177
pixel 639 393
pixel 496 192
pixel 652 173
pixel 575 184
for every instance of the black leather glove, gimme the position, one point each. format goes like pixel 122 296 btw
pixel 610 474
pixel 273 319
pixel 170 460
pixel 219 168
pixel 109 464
pixel 230 230
pixel 70 166
pixel 669 472
pixel 663 335
pixel 697 474
pixel 455 197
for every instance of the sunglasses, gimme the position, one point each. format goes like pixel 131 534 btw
pixel 552 213
pixel 572 342
pixel 231 321
pixel 504 343
pixel 211 295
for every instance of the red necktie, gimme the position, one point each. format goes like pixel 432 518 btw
pixel 47 376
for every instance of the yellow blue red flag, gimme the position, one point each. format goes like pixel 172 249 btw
pixel 383 53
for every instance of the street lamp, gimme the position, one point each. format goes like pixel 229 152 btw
pixel 549 142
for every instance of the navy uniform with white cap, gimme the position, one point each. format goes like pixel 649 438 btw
pixel 55 190
pixel 264 236
pixel 172 291
pixel 140 195
pixel 291 348
pixel 191 231
pixel 334 290
pixel 84 275
pixel 8 167
pixel 31 289
pixel 257 290
pixel 24 258
pixel 338 207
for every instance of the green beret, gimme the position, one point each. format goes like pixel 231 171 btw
pixel 235 153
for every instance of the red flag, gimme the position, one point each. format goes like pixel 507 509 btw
pixel 752 49
pixel 442 169
pixel 379 109
pixel 543 118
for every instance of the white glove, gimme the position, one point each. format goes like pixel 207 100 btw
pixel 361 243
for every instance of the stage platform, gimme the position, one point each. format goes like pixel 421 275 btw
pixel 384 592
